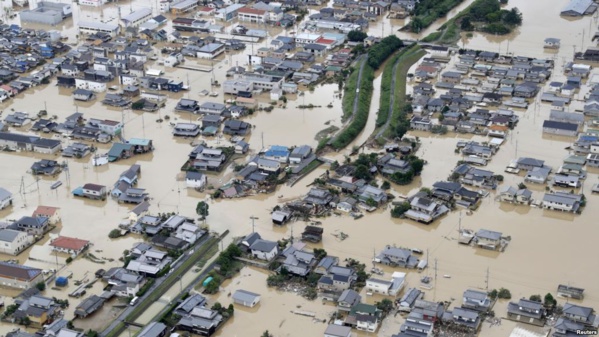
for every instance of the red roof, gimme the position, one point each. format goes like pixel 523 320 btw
pixel 47 211
pixel 325 41
pixel 248 10
pixel 69 243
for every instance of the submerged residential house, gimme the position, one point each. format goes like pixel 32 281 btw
pixel 397 257
pixel 476 300
pixel 561 201
pixel 488 239
pixel 425 210
pixel 527 311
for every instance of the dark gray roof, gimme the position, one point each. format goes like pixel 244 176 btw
pixel 263 245
pixel 153 329
pixel 530 161
pixel 314 46
pixel 487 234
pixel 470 314
pixel 577 310
pixel 245 296
pixel 8 235
pixel 194 175
pixel 4 193
pixel 190 303
pixel 560 125
pixel 475 294
pixel 251 238
pixel 349 296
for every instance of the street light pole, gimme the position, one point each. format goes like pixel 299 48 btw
pixel 253 226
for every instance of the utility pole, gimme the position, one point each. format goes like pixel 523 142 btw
pixel 291 233
pixel 487 281
pixel 262 140
pixel 22 191
pixel 67 173
pixel 253 225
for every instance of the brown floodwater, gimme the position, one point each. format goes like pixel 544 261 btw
pixel 547 247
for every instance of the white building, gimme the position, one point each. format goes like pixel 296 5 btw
pixel 246 298
pixel 228 13
pixel 92 27
pixel 232 87
pixel 189 232
pixel 195 180
pixel 251 15
pixel 210 50
pixel 136 18
pixel 306 38
pixel 390 288
pixel 5 198
pixel 264 250
pixel 13 242
pixel 93 3
pixel 90 85
pixel 183 6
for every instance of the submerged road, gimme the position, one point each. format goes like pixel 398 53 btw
pixel 115 324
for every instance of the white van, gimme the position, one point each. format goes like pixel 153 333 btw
pixel 134 301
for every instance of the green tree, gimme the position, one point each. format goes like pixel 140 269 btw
pixel 27 322
pixel 493 17
pixel 213 286
pixel 230 309
pixel 493 294
pixel 386 305
pixel 549 301
pixel 371 202
pixel 10 310
pixel 217 306
pixel 401 178
pixel 266 334
pixel 504 294
pixel 417 165
pixel 356 36
pixel 385 185
pixel 535 298
pixel 320 253
pixel 359 49
pixel 466 24
pixel 416 25
pixel 496 28
pixel 41 286
pixel 400 209
pixel 115 233
pixel 202 209
pixel 513 17
pixel 362 172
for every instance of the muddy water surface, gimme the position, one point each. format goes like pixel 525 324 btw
pixel 546 246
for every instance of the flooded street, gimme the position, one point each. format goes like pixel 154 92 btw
pixel 547 247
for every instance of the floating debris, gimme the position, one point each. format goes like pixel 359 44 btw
pixel 341 236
